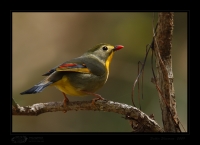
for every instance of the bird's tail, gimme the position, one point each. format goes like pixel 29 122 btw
pixel 37 88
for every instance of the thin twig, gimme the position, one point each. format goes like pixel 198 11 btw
pixel 147 52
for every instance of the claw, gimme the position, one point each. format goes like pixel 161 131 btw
pixel 98 97
pixel 95 99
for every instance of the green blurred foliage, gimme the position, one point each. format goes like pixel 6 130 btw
pixel 44 40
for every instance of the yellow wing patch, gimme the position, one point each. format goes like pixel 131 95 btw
pixel 82 70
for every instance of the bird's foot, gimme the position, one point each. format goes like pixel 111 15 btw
pixel 98 97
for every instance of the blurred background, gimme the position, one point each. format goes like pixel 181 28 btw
pixel 43 40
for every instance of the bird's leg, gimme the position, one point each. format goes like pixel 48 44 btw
pixel 98 97
pixel 65 101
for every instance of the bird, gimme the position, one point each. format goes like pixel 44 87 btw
pixel 80 76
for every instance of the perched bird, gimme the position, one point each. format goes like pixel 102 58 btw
pixel 81 76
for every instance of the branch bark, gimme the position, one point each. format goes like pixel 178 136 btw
pixel 164 78
pixel 143 121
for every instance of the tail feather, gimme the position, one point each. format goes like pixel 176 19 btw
pixel 36 89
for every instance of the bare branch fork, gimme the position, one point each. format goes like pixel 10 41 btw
pixel 132 113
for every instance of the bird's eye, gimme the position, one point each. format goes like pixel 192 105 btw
pixel 105 48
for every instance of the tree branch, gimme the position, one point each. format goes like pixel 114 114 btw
pixel 143 121
pixel 164 78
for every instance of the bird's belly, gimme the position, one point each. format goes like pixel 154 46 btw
pixel 64 86
pixel 77 84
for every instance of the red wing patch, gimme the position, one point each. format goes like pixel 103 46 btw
pixel 73 67
pixel 67 65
